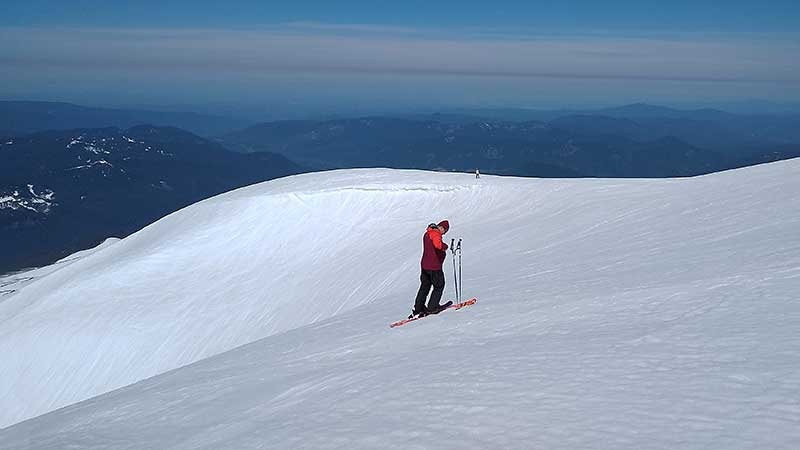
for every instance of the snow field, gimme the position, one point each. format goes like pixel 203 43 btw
pixel 611 314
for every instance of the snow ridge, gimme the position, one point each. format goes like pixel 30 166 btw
pixel 106 304
pixel 610 311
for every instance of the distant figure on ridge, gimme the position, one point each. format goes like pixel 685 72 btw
pixel 477 173
pixel 434 251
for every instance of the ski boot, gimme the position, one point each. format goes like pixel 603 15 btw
pixel 418 314
pixel 439 308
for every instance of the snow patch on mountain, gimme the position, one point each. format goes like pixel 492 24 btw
pixel 39 202
pixel 91 146
pixel 91 164
pixel 105 146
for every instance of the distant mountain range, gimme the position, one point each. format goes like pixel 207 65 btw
pixel 630 111
pixel 63 191
pixel 612 145
pixel 19 117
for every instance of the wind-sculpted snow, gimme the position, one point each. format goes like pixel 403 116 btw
pixel 222 273
pixel 611 314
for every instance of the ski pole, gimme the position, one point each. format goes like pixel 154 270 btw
pixel 460 280
pixel 455 273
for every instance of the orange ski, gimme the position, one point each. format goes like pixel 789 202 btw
pixel 456 306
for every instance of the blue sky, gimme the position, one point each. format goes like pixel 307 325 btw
pixel 409 54
pixel 673 15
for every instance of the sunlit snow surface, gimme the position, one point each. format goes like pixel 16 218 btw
pixel 611 314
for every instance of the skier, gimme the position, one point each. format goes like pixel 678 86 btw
pixel 434 252
pixel 477 174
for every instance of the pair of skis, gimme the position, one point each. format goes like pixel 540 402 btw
pixel 454 306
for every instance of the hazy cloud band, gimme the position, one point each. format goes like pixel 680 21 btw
pixel 320 48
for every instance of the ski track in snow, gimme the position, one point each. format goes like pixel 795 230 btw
pixel 611 314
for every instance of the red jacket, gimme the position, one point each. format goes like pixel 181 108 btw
pixel 434 251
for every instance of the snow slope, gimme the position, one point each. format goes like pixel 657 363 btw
pixel 611 314
pixel 11 283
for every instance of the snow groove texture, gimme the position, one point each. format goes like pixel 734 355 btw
pixel 222 273
pixel 611 314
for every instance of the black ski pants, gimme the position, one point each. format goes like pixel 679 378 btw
pixel 428 278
